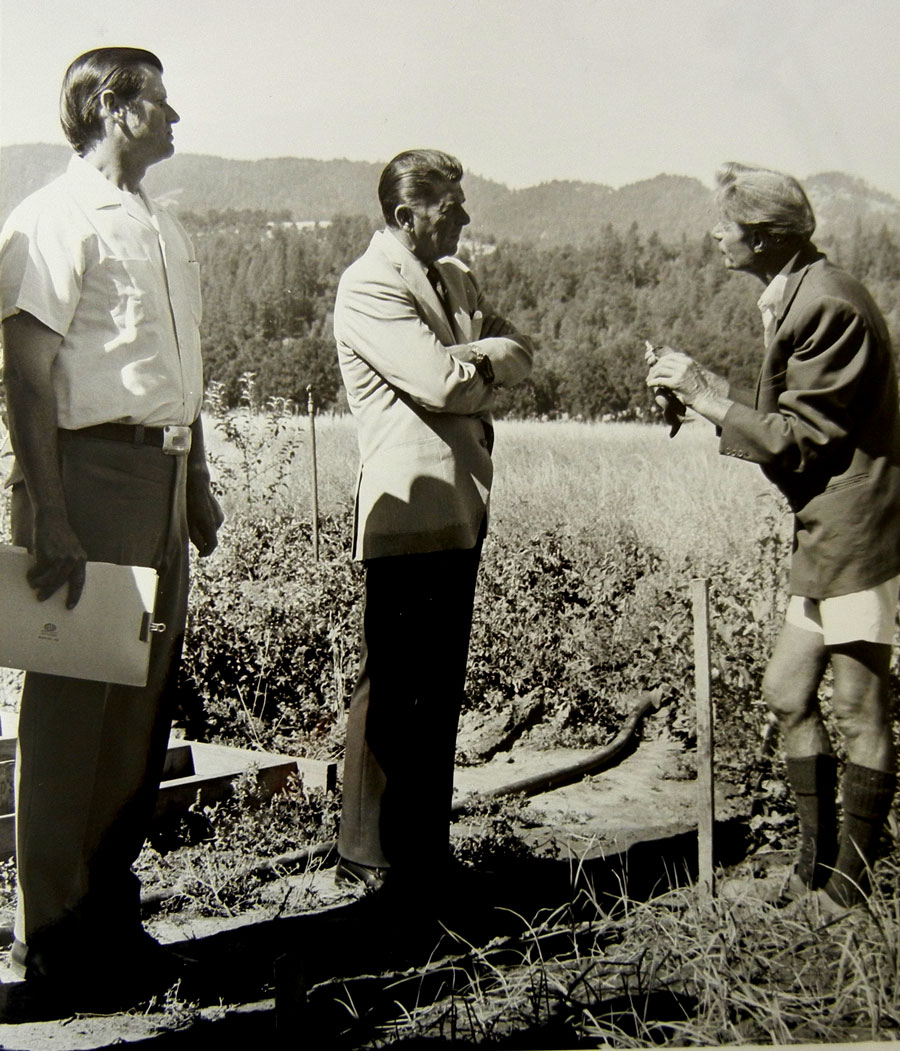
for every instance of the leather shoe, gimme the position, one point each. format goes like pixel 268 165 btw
pixel 354 873
pixel 107 977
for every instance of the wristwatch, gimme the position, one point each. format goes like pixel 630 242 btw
pixel 484 367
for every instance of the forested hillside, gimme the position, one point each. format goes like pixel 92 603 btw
pixel 269 287
pixel 559 212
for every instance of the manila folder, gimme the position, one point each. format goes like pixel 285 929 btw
pixel 105 637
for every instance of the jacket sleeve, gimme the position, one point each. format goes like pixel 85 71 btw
pixel 511 353
pixel 742 396
pixel 831 347
pixel 378 321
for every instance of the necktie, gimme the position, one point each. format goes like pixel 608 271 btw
pixel 440 289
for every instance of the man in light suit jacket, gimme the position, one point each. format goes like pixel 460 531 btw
pixel 421 352
pixel 824 425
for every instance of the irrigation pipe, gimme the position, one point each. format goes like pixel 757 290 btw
pixel 528 786
pixel 591 764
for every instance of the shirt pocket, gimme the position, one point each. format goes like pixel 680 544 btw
pixel 190 281
pixel 134 291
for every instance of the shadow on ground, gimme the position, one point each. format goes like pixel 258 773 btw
pixel 340 974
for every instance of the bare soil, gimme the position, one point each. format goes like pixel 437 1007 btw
pixel 647 796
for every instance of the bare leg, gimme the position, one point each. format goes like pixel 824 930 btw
pixel 862 712
pixel 862 704
pixel 790 689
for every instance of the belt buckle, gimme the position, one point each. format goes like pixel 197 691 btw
pixel 176 440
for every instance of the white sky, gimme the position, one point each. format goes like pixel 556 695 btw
pixel 523 91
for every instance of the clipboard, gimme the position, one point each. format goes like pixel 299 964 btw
pixel 105 638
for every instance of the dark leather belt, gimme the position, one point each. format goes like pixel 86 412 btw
pixel 119 432
pixel 173 439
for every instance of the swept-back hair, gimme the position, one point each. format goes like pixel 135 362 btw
pixel 118 69
pixel 764 198
pixel 415 177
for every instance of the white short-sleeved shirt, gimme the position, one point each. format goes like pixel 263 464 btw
pixel 116 277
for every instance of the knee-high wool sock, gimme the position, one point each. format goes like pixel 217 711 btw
pixel 813 780
pixel 866 795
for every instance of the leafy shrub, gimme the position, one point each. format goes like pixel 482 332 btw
pixel 270 648
pixel 491 833
pixel 270 645
pixel 262 444
pixel 549 616
pixel 581 618
pixel 272 641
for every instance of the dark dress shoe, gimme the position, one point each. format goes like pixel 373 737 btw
pixel 104 977
pixel 353 873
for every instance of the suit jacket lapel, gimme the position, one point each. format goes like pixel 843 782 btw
pixel 413 273
pixel 795 279
pixel 802 263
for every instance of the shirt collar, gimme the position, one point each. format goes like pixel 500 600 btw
pixel 773 294
pixel 97 190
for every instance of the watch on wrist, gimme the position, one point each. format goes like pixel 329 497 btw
pixel 484 367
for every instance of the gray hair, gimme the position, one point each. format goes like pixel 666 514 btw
pixel 764 198
pixel 415 177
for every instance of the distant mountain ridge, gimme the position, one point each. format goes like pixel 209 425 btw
pixel 554 212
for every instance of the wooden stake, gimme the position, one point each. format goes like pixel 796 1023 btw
pixel 706 803
pixel 311 412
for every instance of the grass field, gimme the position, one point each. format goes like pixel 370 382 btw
pixel 679 495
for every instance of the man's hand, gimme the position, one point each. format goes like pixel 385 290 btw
pixel 58 558
pixel 673 410
pixel 678 373
pixel 704 391
pixel 204 515
pixel 494 325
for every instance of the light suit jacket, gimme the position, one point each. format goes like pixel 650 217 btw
pixel 824 425
pixel 422 408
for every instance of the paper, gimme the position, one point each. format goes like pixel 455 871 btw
pixel 106 637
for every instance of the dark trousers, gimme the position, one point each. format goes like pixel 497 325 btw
pixel 401 729
pixel 91 753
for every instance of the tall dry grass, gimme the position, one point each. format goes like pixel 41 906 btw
pixel 679 496
pixel 677 970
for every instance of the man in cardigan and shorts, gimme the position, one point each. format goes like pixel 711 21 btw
pixel 824 426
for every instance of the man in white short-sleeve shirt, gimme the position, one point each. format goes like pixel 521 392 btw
pixel 100 303
pixel 110 273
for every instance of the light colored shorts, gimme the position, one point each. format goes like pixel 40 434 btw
pixel 863 616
